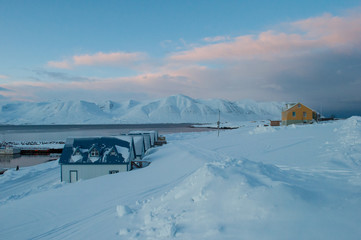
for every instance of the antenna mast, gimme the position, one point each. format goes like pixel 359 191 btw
pixel 219 120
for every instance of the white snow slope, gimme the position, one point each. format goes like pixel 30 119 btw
pixel 296 182
pixel 174 109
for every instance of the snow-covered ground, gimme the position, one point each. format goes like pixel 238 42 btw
pixel 173 109
pixel 296 182
pixel 233 125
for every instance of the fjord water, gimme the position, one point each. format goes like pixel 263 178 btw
pixel 61 132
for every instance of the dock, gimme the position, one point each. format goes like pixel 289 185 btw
pixel 40 151
pixel 9 151
pixel 31 148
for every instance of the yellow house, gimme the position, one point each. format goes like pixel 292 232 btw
pixel 298 114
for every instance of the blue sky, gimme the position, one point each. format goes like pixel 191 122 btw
pixel 306 51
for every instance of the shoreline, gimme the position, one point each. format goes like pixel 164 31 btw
pixel 35 137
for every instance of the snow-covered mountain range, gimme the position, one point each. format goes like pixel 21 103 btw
pixel 173 109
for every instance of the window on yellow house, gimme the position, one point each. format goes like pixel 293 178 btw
pixel 304 114
pixel 293 114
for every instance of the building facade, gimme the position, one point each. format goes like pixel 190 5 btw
pixel 298 114
pixel 85 158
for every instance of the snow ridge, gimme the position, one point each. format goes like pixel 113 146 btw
pixel 173 109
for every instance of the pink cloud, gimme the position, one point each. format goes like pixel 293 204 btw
pixel 61 65
pixel 216 38
pixel 332 30
pixel 3 77
pixel 108 58
pixel 99 59
pixel 317 33
pixel 267 44
pixel 159 83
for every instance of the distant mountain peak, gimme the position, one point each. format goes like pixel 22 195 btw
pixel 177 108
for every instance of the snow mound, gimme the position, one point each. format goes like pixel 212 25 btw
pixel 349 141
pixel 123 210
pixel 222 198
pixel 262 129
pixel 43 177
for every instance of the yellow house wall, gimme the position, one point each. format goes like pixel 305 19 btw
pixel 287 115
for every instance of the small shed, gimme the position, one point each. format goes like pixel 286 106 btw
pixel 275 123
pixel 138 146
pixel 146 139
pixel 153 135
pixel 85 158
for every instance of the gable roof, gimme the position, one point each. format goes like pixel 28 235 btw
pixel 85 144
pixel 78 155
pixel 139 145
pixel 290 106
pixel 146 138
pixel 127 139
pixel 95 148
pixel 120 155
pixel 152 133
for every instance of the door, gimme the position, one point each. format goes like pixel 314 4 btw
pixel 73 176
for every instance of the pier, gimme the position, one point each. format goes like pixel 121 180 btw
pixel 40 151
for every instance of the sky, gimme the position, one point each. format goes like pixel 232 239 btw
pixel 288 51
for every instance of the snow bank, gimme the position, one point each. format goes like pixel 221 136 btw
pixel 26 181
pixel 123 210
pixel 348 144
pixel 262 129
pixel 231 198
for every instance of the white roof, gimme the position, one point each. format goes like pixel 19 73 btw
pixel 124 151
pixel 138 144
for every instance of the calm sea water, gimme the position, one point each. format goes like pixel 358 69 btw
pixel 61 132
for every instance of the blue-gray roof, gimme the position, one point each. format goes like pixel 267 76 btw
pixel 152 134
pixel 77 150
pixel 146 138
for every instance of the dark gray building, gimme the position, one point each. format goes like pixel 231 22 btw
pixel 84 158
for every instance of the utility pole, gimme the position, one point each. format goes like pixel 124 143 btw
pixel 219 120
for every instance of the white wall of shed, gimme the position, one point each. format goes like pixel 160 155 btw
pixel 87 171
